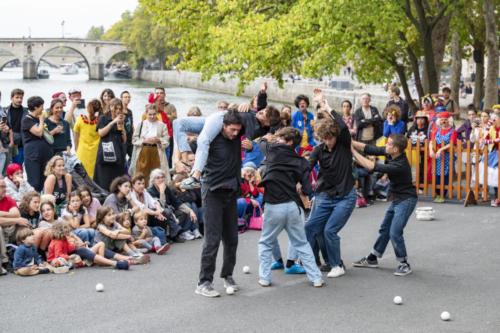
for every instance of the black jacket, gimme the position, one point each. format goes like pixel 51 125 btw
pixel 377 121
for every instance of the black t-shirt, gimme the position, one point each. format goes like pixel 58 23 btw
pixel 32 219
pixel 251 126
pixel 399 172
pixel 28 122
pixel 223 169
pixel 16 116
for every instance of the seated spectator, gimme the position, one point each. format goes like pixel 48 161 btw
pixel 78 217
pixel 120 200
pixel 173 208
pixel 10 222
pixel 192 198
pixel 58 182
pixel 29 207
pixel 393 124
pixel 17 187
pixel 115 237
pixel 58 128
pixel 89 202
pixel 251 152
pixel 251 196
pixel 143 236
pixel 27 261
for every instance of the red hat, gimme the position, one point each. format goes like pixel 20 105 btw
pixel 442 115
pixel 12 169
pixel 153 98
pixel 57 94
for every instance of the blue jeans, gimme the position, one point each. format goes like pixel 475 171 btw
pixel 153 244
pixel 247 208
pixel 19 158
pixel 182 126
pixel 328 216
pixel 160 233
pixel 85 234
pixel 392 227
pixel 290 217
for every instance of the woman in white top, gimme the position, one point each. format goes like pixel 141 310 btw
pixel 150 141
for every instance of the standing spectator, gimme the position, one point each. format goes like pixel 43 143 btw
pixel 150 141
pixel 393 123
pixel 465 130
pixel 4 138
pixel 395 99
pixel 304 122
pixel 37 151
pixel 129 122
pixel 58 128
pixel 17 187
pixel 168 114
pixel 15 114
pixel 347 117
pixel 10 220
pixel 110 161
pixel 76 109
pixel 450 105
pixel 106 96
pixel 86 136
pixel 368 121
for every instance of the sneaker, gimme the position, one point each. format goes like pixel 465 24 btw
pixel 137 254
pixel 141 260
pixel 122 265
pixel 197 234
pixel 206 289
pixel 403 269
pixel 295 269
pixel 229 282
pixel 264 283
pixel 277 265
pixel 364 262
pixel 163 249
pixel 495 203
pixel 186 235
pixel 61 270
pixel 439 199
pixel 190 183
pixel 336 272
pixel 325 268
pixel 3 271
pixel 142 250
pixel 318 284
pixel 178 239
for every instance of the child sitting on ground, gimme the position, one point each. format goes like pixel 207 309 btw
pixel 144 236
pixel 114 236
pixel 27 261
pixel 78 217
pixel 68 247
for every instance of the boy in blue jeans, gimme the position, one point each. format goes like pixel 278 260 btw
pixel 284 169
pixel 402 192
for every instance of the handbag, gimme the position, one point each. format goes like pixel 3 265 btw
pixel 108 152
pixel 256 221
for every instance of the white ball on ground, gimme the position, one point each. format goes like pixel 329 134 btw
pixel 246 269
pixel 445 315
pixel 229 290
pixel 398 300
pixel 99 287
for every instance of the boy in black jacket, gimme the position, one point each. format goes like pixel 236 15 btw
pixel 283 170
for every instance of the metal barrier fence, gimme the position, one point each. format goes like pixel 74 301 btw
pixel 469 173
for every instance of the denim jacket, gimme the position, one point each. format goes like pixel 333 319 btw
pixel 299 123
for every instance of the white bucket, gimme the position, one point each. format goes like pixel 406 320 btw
pixel 425 213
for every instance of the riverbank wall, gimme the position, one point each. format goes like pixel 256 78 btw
pixel 285 95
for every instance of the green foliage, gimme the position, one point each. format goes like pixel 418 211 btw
pixel 95 33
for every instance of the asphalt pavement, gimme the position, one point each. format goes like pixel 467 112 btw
pixel 455 261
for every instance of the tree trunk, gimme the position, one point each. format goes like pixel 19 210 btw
pixel 440 39
pixel 491 85
pixel 479 81
pixel 430 75
pixel 456 67
pixel 400 70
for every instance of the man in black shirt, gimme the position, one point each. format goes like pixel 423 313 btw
pixel 335 195
pixel 284 169
pixel 15 114
pixel 220 187
pixel 403 194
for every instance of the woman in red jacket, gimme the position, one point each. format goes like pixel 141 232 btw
pixel 251 194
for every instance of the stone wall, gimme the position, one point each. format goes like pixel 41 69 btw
pixel 286 95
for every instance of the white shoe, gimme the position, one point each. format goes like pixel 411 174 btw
pixel 336 272
pixel 197 234
pixel 186 235
pixel 264 283
pixel 318 284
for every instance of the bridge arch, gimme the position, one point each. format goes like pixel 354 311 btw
pixel 4 61
pixel 44 54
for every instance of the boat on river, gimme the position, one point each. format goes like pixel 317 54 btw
pixel 69 69
pixel 43 74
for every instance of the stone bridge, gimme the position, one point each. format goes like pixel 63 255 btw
pixel 30 50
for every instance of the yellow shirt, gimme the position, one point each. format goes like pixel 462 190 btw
pixel 88 143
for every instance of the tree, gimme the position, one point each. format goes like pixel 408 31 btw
pixel 491 85
pixel 95 33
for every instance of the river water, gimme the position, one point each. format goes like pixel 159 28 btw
pixel 182 98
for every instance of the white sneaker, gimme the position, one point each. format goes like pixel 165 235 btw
pixel 186 235
pixel 264 283
pixel 197 234
pixel 336 272
pixel 318 284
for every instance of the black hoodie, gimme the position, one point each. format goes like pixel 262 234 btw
pixel 282 170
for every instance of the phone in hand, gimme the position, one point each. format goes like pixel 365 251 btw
pixel 81 104
pixel 4 120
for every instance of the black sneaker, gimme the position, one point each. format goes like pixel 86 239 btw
pixel 206 289
pixel 229 282
pixel 365 262
pixel 403 269
pixel 325 268
pixel 190 183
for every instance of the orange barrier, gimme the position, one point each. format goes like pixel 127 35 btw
pixel 465 157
